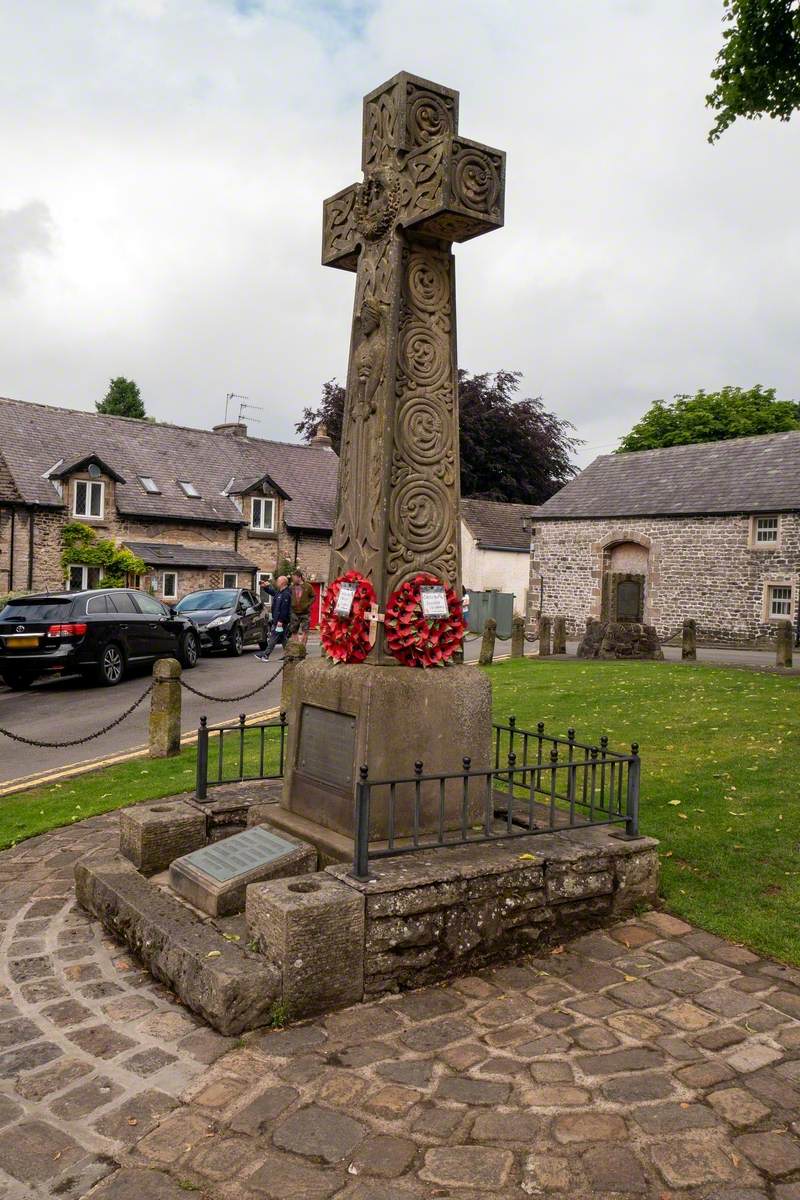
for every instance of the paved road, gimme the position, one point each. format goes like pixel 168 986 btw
pixel 69 708
pixel 62 709
pixel 650 1060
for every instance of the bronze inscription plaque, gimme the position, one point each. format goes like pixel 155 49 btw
pixel 239 854
pixel 327 746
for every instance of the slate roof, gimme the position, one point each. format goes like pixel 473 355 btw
pixel 36 438
pixel 170 554
pixel 741 475
pixel 498 526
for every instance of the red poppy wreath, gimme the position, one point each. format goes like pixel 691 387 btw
pixel 346 639
pixel 420 641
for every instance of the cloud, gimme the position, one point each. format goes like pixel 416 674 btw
pixel 24 231
pixel 184 147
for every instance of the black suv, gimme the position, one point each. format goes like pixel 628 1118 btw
pixel 95 633
pixel 227 618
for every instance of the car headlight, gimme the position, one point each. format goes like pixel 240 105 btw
pixel 215 624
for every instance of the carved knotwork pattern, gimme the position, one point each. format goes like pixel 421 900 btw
pixel 376 203
pixel 428 116
pixel 338 234
pixel 423 500
pixel 380 129
pixel 475 179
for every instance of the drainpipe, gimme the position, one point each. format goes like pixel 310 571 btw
pixel 30 550
pixel 296 546
pixel 11 549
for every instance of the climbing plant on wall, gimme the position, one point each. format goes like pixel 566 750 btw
pixel 80 544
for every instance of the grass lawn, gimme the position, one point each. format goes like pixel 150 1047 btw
pixel 720 755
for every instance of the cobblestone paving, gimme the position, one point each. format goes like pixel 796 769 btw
pixel 651 1061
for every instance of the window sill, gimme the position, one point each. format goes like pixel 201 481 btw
pixel 262 534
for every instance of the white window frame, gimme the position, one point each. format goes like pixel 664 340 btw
pixel 230 575
pixel 84 568
pixel 261 527
pixel 757 543
pixel 769 600
pixel 89 484
pixel 169 595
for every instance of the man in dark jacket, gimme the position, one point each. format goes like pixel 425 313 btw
pixel 281 615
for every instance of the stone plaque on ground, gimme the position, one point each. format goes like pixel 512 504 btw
pixel 215 878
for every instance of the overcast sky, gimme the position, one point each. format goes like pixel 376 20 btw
pixel 164 164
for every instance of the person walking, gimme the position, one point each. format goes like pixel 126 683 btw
pixel 302 599
pixel 281 617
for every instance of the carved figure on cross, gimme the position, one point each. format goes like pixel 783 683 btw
pixel 424 187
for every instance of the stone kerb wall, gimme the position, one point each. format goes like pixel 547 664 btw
pixel 698 567
pixel 431 917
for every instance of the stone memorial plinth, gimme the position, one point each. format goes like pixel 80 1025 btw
pixel 215 878
pixel 424 187
pixel 620 639
pixel 386 717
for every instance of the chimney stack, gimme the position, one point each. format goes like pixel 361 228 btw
pixel 231 429
pixel 321 439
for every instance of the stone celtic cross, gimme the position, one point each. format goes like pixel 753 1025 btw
pixel 424 187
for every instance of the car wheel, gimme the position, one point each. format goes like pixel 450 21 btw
pixel 18 681
pixel 111 666
pixel 235 641
pixel 190 651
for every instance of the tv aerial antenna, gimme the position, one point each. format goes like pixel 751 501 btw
pixel 245 408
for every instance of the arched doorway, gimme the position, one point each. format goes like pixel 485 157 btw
pixel 625 578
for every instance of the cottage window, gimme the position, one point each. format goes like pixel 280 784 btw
pixel 779 600
pixel 81 577
pixel 169 585
pixel 189 489
pixel 262 516
pixel 230 579
pixel 88 498
pixel 149 485
pixel 766 532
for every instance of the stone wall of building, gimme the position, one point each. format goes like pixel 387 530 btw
pixel 702 567
pixel 266 551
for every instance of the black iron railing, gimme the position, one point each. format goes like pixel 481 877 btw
pixel 538 784
pixel 237 753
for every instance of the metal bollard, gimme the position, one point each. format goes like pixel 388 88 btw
pixel 165 709
pixel 518 637
pixel 487 645
pixel 689 641
pixel 544 637
pixel 559 635
pixel 783 647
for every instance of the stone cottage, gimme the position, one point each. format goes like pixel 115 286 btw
pixel 709 531
pixel 202 508
pixel 495 548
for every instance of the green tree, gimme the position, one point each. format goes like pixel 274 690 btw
pixel 712 417
pixel 122 399
pixel 758 67
pixel 510 449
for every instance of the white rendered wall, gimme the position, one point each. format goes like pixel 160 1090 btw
pixel 503 571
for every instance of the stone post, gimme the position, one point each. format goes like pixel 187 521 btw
pixel 544 637
pixel 518 637
pixel 165 709
pixel 293 654
pixel 689 643
pixel 487 645
pixel 559 635
pixel 783 649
